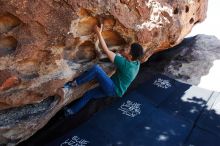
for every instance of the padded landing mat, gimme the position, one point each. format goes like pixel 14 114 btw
pixel 162 111
pixel 201 137
pixel 189 105
pixel 210 119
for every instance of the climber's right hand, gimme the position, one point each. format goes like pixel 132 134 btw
pixel 97 29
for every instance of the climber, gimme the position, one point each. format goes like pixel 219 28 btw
pixel 127 67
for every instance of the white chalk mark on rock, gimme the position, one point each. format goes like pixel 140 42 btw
pixel 157 19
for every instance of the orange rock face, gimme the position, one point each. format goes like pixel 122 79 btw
pixel 9 83
pixel 45 43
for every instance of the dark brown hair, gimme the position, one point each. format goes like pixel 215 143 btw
pixel 137 51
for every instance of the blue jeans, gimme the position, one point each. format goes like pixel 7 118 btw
pixel 106 88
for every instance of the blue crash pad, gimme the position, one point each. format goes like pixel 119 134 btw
pixel 122 125
pixel 118 118
pixel 159 129
pixel 210 119
pixel 161 111
pixel 114 122
pixel 200 137
pixel 159 87
pixel 189 104
pixel 135 119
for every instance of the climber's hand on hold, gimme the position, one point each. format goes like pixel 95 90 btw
pixel 97 29
pixel 109 53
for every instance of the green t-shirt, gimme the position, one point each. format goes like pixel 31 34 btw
pixel 125 73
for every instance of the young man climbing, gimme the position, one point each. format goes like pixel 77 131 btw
pixel 127 67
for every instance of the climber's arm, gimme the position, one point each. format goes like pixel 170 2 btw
pixel 109 53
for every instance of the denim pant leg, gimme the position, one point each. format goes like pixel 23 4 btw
pixel 96 72
pixel 94 93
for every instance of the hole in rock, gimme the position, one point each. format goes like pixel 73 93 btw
pixel 86 24
pixel 7 45
pixel 86 52
pixel 191 21
pixel 109 22
pixel 176 11
pixel 8 22
pixel 186 9
pixel 172 43
pixel 113 38
pixel 155 34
